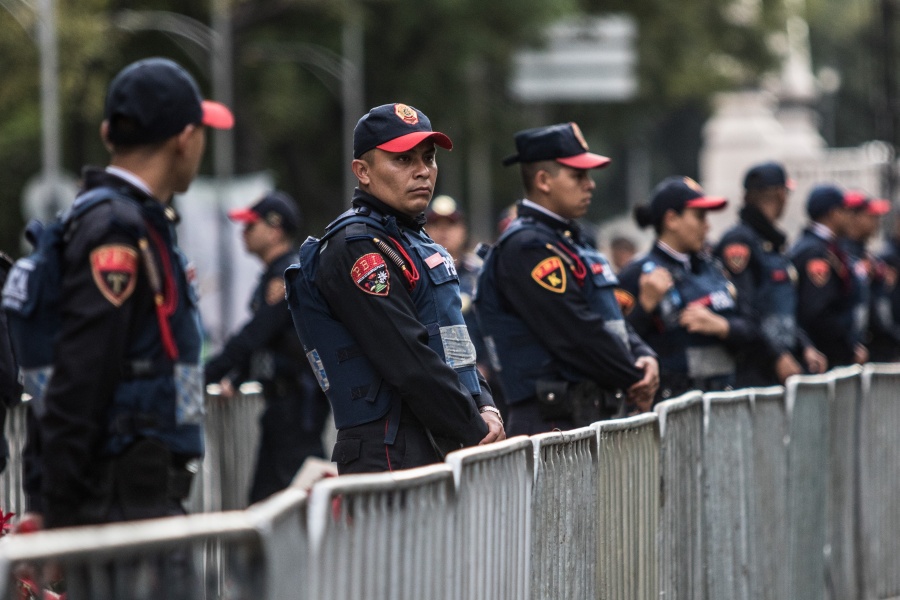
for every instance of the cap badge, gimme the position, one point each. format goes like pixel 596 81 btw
pixel 579 136
pixel 407 115
pixel 693 185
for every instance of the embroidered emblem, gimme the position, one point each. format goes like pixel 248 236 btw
pixel 596 268
pixel 780 275
pixel 434 260
pixel 275 291
pixel 371 275
pixel 737 257
pixel 579 136
pixel 625 300
pixel 114 268
pixel 407 114
pixel 819 271
pixel 550 274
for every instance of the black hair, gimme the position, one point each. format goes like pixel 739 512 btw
pixel 530 170
pixel 645 218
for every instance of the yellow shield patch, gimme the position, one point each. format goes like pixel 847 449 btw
pixel 550 274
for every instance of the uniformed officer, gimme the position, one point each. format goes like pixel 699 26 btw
pixel 882 349
pixel 120 422
pixel 376 304
pixel 10 389
pixel 875 279
pixel 827 291
pixel 267 350
pixel 681 303
pixel 546 299
pixel 753 254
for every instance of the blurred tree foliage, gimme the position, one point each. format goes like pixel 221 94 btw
pixel 451 58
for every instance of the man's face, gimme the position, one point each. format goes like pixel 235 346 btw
pixel 259 236
pixel 570 192
pixel 402 180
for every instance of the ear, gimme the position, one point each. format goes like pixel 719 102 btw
pixel 670 219
pixel 183 138
pixel 542 181
pixel 104 135
pixel 360 169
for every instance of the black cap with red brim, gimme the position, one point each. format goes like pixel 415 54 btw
pixel 677 193
pixel 395 128
pixel 563 143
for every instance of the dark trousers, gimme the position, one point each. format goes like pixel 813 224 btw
pixel 525 419
pixel 361 449
pixel 287 438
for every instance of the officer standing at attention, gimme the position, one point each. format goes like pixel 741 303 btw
pixel 753 254
pixel 546 298
pixel 120 423
pixel 827 291
pixel 882 349
pixel 680 300
pixel 267 350
pixel 376 305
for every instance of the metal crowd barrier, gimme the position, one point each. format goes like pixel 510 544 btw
pixel 628 507
pixel 765 493
pixel 564 541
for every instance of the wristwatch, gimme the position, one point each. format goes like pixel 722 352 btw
pixel 493 409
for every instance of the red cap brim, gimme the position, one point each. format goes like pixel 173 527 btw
pixel 707 202
pixel 411 140
pixel 878 206
pixel 243 215
pixel 588 160
pixel 216 115
pixel 790 184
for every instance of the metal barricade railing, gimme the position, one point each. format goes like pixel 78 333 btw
pixel 385 536
pixel 843 442
pixel 282 522
pixel 12 495
pixel 681 508
pixel 197 557
pixel 727 502
pixel 493 520
pixel 768 490
pixel 808 451
pixel 564 516
pixel 231 431
pixel 628 507
pixel 879 489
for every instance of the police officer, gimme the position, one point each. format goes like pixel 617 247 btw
pixel 827 291
pixel 546 299
pixel 376 304
pixel 10 389
pixel 680 300
pixel 267 350
pixel 753 254
pixel 883 349
pixel 120 423
pixel 874 320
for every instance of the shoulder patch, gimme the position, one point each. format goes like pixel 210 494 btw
pixel 371 275
pixel 275 291
pixel 625 300
pixel 819 271
pixel 736 257
pixel 550 274
pixel 114 268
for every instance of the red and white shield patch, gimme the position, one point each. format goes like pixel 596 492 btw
pixel 371 275
pixel 819 271
pixel 114 268
pixel 737 257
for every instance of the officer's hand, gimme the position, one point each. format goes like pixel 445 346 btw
pixel 643 392
pixel 860 354
pixel 785 366
pixel 815 360
pixel 697 318
pixel 496 433
pixel 227 388
pixel 652 287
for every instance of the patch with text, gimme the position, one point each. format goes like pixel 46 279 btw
pixel 371 275
pixel 114 268
pixel 550 274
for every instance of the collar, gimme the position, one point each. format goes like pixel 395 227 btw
pixel 680 257
pixel 757 221
pixel 128 176
pixel 361 198
pixel 822 231
pixel 541 209
pixel 527 208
